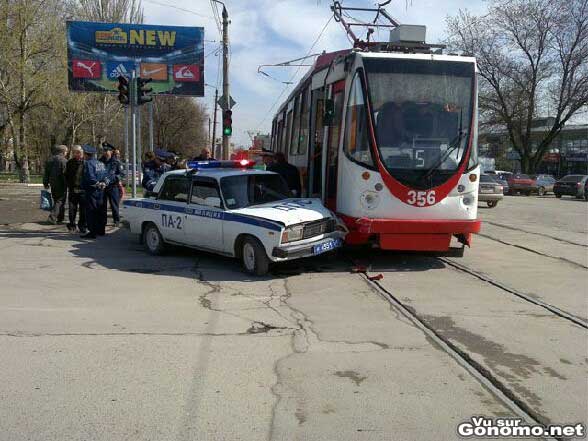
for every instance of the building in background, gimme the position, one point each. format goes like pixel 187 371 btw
pixel 567 154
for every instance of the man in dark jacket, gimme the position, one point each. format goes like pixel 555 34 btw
pixel 287 171
pixel 73 176
pixel 54 177
pixel 153 168
pixel 112 193
pixel 94 181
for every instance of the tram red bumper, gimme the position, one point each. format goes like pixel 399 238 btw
pixel 411 234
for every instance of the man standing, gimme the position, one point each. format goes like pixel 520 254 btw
pixel 288 171
pixel 154 168
pixel 94 181
pixel 205 155
pixel 73 176
pixel 112 194
pixel 54 177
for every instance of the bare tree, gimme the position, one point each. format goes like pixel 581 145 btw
pixel 29 61
pixel 179 124
pixel 533 57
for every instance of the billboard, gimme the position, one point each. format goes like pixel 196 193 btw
pixel 173 56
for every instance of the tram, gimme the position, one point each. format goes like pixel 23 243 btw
pixel 386 136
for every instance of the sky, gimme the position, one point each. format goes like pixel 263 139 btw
pixel 274 31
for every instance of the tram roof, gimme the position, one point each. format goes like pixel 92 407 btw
pixel 326 58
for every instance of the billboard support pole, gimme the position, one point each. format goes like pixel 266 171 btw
pixel 151 124
pixel 133 108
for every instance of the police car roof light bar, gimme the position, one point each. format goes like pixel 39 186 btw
pixel 199 165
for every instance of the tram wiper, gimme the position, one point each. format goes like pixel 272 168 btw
pixel 453 145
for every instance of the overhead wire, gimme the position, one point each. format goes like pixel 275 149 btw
pixel 167 5
pixel 295 73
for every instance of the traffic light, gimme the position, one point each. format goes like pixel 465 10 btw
pixel 143 91
pixel 123 90
pixel 227 122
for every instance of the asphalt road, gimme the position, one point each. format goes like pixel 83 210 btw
pixel 101 341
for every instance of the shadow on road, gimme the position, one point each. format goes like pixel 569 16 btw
pixel 120 250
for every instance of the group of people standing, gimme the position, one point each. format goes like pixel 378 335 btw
pixel 89 185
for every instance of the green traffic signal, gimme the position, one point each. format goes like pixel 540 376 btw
pixel 228 131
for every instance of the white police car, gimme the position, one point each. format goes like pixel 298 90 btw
pixel 231 209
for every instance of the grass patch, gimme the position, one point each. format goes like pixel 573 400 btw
pixel 13 177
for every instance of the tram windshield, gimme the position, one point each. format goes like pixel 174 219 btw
pixel 422 114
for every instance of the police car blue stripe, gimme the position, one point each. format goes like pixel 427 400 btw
pixel 192 211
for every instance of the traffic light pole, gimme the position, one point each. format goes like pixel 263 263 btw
pixel 139 141
pixel 127 145
pixel 133 108
pixel 151 126
pixel 213 147
pixel 226 92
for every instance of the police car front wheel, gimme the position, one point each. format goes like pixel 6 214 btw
pixel 253 257
pixel 153 240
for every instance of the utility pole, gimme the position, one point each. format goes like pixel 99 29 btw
pixel 213 147
pixel 226 91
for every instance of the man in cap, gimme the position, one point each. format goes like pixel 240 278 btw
pixel 54 177
pixel 73 176
pixel 153 169
pixel 112 194
pixel 94 181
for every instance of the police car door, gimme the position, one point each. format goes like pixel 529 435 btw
pixel 204 226
pixel 171 208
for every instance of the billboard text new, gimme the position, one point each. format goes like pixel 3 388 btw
pixel 172 56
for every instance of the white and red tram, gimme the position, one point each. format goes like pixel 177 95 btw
pixel 388 140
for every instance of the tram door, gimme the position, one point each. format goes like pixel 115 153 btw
pixel 338 97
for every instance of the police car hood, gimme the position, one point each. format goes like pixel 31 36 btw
pixel 288 211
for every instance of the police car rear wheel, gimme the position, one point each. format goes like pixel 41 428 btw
pixel 253 257
pixel 153 240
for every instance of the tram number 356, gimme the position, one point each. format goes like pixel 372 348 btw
pixel 421 198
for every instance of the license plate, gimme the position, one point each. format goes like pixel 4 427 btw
pixel 487 190
pixel 326 246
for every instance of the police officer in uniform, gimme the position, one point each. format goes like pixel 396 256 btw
pixel 94 181
pixel 153 169
pixel 112 193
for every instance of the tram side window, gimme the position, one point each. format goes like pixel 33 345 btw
pixel 356 144
pixel 295 128
pixel 287 133
pixel 304 122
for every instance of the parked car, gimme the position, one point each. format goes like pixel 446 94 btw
pixel 571 185
pixel 544 184
pixel 489 191
pixel 502 181
pixel 521 183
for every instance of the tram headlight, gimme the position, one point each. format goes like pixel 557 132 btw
pixel 292 234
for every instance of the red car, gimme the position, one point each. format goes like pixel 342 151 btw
pixel 520 183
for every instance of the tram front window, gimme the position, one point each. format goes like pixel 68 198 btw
pixel 422 114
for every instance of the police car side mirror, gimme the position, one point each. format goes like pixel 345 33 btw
pixel 212 202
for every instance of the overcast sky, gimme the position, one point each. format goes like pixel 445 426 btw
pixel 273 31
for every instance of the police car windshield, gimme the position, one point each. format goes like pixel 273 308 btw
pixel 242 191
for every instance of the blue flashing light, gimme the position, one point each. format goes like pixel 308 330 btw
pixel 200 165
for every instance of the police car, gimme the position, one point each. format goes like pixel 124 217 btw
pixel 229 208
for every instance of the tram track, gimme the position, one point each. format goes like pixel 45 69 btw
pixel 531 250
pixel 489 379
pixel 480 373
pixel 549 307
pixel 549 236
